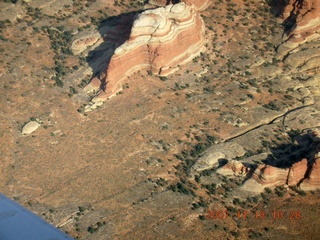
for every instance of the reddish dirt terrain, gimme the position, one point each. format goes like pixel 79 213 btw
pixel 121 171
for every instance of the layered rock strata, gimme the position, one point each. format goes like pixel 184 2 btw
pixel 312 182
pixel 303 174
pixel 160 40
pixel 302 22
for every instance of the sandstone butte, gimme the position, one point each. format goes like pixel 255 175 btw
pixel 304 18
pixel 159 41
pixel 303 174
pixel 199 4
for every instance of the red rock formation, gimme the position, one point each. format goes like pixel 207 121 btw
pixel 160 40
pixel 312 182
pixel 81 44
pixel 268 176
pixel 297 172
pixel 302 17
pixel 233 167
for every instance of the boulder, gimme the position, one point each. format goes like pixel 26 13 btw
pixel 30 127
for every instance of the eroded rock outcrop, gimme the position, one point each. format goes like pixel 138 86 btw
pixel 215 154
pixel 266 176
pixel 233 168
pixel 303 174
pixel 302 23
pixel 83 42
pixel 160 40
pixel 199 4
pixel 305 57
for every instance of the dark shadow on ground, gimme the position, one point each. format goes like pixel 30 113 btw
pixel 285 155
pixel 277 8
pixel 115 31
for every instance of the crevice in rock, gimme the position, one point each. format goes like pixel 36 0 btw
pixel 269 123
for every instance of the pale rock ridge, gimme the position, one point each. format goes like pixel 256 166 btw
pixel 213 155
pixel 305 57
pixel 160 40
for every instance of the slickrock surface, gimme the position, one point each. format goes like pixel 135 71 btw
pixel 215 153
pixel 81 43
pixel 305 57
pixel 268 176
pixel 199 4
pixel 160 40
pixel 302 19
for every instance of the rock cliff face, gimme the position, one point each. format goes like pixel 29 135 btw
pixel 312 182
pixel 160 40
pixel 304 174
pixel 233 168
pixel 302 23
pixel 297 172
pixel 199 4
